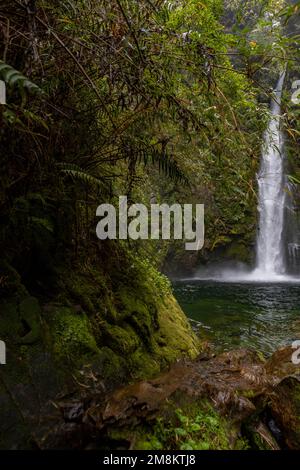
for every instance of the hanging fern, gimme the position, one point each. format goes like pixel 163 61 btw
pixel 77 173
pixel 155 154
pixel 14 78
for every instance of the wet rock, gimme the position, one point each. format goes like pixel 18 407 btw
pixel 280 365
pixel 74 412
pixel 63 436
pixel 285 407
pixel 256 397
pixel 224 379
pixel 276 432
pixel 260 437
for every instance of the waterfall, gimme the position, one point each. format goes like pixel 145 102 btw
pixel 278 237
pixel 270 259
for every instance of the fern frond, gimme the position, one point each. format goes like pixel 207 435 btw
pixel 77 173
pixel 68 166
pixel 157 155
pixel 14 78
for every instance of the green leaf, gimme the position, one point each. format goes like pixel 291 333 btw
pixel 195 427
pixel 180 432
pixel 45 223
pixel 204 445
pixel 190 445
pixel 14 78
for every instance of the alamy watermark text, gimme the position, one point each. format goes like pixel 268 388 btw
pixel 2 352
pixel 138 222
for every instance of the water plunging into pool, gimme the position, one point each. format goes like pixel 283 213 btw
pixel 271 180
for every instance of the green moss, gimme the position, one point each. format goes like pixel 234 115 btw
pixel 158 280
pixel 143 331
pixel 119 326
pixel 143 364
pixel 248 393
pixel 238 251
pixel 133 313
pixel 174 337
pixel 261 356
pixel 72 337
pixel 81 290
pixel 242 444
pixel 131 301
pixel 122 340
pixel 111 365
pixel 150 340
pixel 259 443
pixel 142 322
pixel 88 288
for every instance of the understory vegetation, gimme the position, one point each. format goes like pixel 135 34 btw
pixel 201 428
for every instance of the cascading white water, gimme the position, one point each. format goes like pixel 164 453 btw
pixel 270 251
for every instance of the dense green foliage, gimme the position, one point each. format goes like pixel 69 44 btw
pixel 164 99
pixel 199 429
pixel 125 85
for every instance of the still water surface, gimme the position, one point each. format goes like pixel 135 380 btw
pixel 260 316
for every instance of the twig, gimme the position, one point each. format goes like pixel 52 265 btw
pixel 130 30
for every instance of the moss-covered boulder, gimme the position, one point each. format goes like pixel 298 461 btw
pixel 93 330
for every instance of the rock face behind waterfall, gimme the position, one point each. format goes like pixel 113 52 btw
pixel 244 397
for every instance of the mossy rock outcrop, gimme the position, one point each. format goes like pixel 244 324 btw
pixel 93 331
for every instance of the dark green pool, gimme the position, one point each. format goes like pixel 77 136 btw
pixel 260 316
